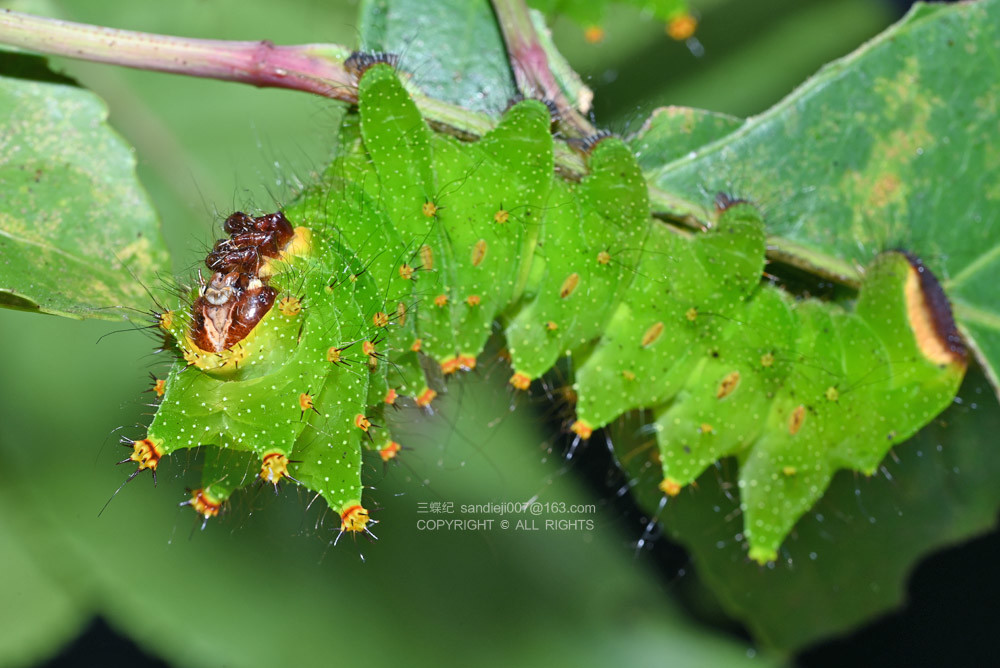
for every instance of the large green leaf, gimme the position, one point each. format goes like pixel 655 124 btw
pixel 453 48
pixel 78 236
pixel 896 145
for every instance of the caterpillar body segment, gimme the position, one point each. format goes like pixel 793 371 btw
pixel 414 245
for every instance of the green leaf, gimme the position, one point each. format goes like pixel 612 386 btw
pixel 881 149
pixel 671 133
pixel 850 557
pixel 78 236
pixel 453 48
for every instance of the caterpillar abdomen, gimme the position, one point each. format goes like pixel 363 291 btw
pixel 415 244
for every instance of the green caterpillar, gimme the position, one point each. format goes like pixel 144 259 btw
pixel 414 244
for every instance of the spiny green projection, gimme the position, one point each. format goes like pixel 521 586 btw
pixel 414 244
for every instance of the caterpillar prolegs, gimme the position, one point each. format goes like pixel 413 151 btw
pixel 414 244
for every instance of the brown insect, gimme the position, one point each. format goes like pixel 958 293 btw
pixel 235 298
pixel 228 307
pixel 250 240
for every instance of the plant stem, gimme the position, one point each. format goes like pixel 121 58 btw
pixel 314 68
pixel 530 62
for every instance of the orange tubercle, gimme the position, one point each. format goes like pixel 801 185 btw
pixel 426 397
pixel 429 209
pixel 670 487
pixel 354 518
pixel 305 401
pixel 146 453
pixel 467 362
pixel 441 300
pixel 159 387
pixel 417 345
pixel 593 34
pixel 473 300
pixel 167 320
pixel 380 319
pixel 582 429
pixel 290 306
pixel 274 467
pixel 501 216
pixel 369 349
pixel 204 503
pixel 681 27
pixel 361 422
pixel 450 366
pixel 389 451
pixel 391 396
pixel 520 381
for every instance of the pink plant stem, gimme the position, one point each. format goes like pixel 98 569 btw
pixel 530 62
pixel 313 68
